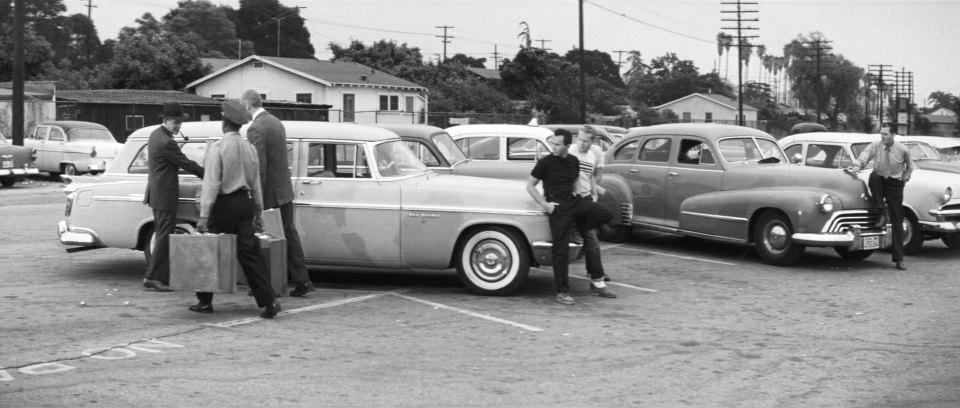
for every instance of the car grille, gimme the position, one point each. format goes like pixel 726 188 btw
pixel 845 220
pixel 953 212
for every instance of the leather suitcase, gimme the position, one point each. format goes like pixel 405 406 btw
pixel 272 223
pixel 203 262
pixel 274 254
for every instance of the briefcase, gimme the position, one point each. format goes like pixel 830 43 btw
pixel 272 223
pixel 203 262
pixel 274 253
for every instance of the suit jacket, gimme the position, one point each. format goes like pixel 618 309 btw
pixel 164 159
pixel 267 134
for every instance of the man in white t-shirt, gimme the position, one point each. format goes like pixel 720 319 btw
pixel 591 165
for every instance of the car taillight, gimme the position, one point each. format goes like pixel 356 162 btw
pixel 33 154
pixel 93 152
pixel 70 198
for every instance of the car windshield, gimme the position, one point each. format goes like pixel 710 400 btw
pixel 76 135
pixel 749 149
pixel 448 148
pixel 2 139
pixel 394 159
pixel 922 151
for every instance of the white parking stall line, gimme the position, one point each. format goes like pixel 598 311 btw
pixel 625 285
pixel 300 310
pixel 692 258
pixel 469 313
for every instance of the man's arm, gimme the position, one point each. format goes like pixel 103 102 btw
pixel 172 153
pixel 258 139
pixel 908 166
pixel 532 190
pixel 211 185
pixel 865 156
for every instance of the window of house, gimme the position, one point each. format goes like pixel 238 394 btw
pixel 389 102
pixel 134 122
pixel 218 96
pixel 686 117
pixel 304 98
pixel 257 65
pixel 409 101
pixel 708 117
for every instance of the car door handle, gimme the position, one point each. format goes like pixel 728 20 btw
pixel 311 182
pixel 673 173
pixel 634 170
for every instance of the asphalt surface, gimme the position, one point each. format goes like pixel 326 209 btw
pixel 697 324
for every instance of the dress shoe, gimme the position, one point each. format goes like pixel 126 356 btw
pixel 900 267
pixel 565 299
pixel 302 288
pixel 604 292
pixel 271 310
pixel 606 278
pixel 156 285
pixel 202 307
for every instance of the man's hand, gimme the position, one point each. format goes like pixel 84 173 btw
pixel 600 191
pixel 202 225
pixel 258 223
pixel 549 207
pixel 854 169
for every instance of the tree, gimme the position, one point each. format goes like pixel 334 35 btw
pixel 524 35
pixel 841 81
pixel 668 78
pixel 941 99
pixel 149 58
pixel 466 61
pixel 208 27
pixel 259 20
pixel 598 64
pixel 384 55
pixel 40 16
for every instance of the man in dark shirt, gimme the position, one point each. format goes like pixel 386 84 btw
pixel 559 172
pixel 164 160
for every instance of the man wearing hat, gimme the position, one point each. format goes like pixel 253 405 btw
pixel 164 160
pixel 267 134
pixel 231 202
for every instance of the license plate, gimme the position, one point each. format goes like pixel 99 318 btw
pixel 871 242
pixel 7 164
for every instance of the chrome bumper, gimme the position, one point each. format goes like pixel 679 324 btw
pixel 940 226
pixel 19 172
pixel 543 252
pixel 852 239
pixel 77 236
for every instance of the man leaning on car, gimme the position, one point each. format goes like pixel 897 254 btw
pixel 164 160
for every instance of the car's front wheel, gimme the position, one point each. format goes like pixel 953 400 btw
pixel 773 239
pixel 69 170
pixel 492 261
pixel 614 233
pixel 151 237
pixel 912 236
pixel 8 181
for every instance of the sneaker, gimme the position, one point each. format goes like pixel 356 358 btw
pixel 604 292
pixel 565 299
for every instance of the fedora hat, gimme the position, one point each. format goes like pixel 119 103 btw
pixel 174 110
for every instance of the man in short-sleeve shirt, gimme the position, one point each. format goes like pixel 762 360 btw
pixel 559 173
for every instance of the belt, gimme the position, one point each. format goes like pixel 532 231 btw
pixel 587 195
pixel 559 197
pixel 886 178
pixel 242 191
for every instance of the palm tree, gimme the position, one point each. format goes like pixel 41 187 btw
pixel 761 52
pixel 637 66
pixel 746 50
pixel 941 99
pixel 524 35
pixel 724 42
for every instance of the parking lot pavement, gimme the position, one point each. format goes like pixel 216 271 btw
pixel 696 324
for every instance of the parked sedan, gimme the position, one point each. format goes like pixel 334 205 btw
pixel 363 200
pixel 604 139
pixel 437 150
pixel 931 211
pixel 515 148
pixel 15 162
pixel 733 184
pixel 73 147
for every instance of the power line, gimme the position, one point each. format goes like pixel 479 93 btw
pixel 648 24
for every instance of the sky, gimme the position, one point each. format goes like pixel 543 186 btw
pixel 918 36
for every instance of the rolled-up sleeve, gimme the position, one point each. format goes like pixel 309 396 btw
pixel 213 169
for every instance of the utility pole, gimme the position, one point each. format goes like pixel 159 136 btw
pixel 18 23
pixel 89 6
pixel 742 41
pixel 619 55
pixel 583 78
pixel 903 86
pixel 820 50
pixel 445 40
pixel 881 75
pixel 496 58
pixel 543 45
pixel 281 16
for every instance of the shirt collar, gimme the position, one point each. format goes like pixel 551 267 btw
pixel 258 112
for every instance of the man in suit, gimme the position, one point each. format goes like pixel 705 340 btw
pixel 268 135
pixel 164 160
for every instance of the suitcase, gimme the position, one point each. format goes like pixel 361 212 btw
pixel 203 262
pixel 272 223
pixel 274 254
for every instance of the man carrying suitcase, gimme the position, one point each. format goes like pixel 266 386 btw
pixel 231 202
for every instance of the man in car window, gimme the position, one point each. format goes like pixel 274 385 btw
pixel 164 160
pixel 892 168
pixel 591 164
pixel 559 172
pixel 268 135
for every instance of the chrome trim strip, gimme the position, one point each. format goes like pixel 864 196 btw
pixel 349 206
pixel 944 226
pixel 475 210
pixel 713 237
pixel 714 216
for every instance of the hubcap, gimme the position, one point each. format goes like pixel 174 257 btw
pixel 490 260
pixel 777 237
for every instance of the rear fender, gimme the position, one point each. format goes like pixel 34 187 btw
pixel 616 195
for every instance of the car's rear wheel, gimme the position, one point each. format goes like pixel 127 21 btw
pixel 912 236
pixel 614 233
pixel 853 255
pixel 69 170
pixel 773 239
pixel 151 236
pixel 952 241
pixel 8 181
pixel 492 261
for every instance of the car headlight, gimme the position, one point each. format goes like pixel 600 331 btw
pixel 826 203
pixel 947 195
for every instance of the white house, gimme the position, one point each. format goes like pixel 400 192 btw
pixel 355 92
pixel 701 108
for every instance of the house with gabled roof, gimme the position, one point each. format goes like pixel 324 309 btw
pixel 706 108
pixel 943 122
pixel 355 92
